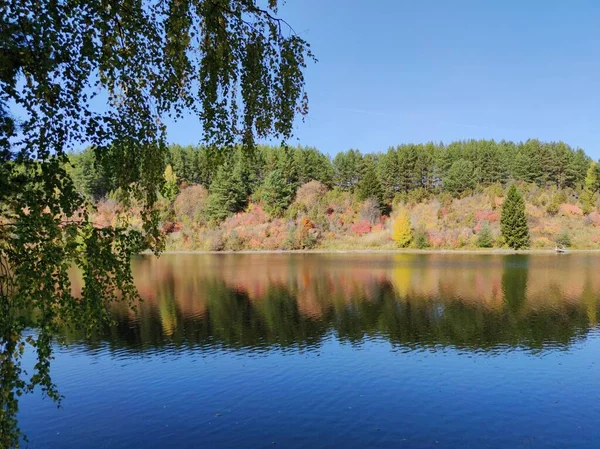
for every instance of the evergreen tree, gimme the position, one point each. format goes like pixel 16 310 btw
pixel 513 220
pixel 347 169
pixel 460 177
pixel 178 159
pixel 491 165
pixel 195 167
pixel 276 193
pixel 407 167
pixel 311 164
pixel 426 167
pixel 286 164
pixel 369 186
pixel 90 178
pixel 388 170
pixel 227 193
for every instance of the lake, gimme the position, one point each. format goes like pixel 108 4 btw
pixel 337 350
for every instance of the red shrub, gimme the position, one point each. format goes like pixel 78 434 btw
pixel 594 218
pixel 170 226
pixel 490 216
pixel 361 228
pixel 570 209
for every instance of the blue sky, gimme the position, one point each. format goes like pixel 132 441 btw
pixel 396 71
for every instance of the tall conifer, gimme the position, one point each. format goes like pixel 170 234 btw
pixel 513 220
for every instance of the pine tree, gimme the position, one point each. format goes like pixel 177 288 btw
pixel 228 194
pixel 407 161
pixel 460 177
pixel 401 230
pixel 369 186
pixel 347 166
pixel 513 220
pixel 388 169
pixel 276 193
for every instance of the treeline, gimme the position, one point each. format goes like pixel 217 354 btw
pixel 272 174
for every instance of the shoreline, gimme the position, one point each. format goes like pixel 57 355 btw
pixel 497 251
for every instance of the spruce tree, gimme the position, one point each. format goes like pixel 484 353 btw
pixel 513 220
pixel 276 193
pixel 228 194
pixel 369 186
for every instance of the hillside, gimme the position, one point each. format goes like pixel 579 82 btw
pixel 450 196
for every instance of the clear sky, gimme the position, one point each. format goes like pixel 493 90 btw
pixel 399 71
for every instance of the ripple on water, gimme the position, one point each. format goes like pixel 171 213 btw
pixel 338 351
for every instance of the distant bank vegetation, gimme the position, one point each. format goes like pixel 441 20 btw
pixel 420 196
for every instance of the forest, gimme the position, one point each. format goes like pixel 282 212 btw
pixel 442 195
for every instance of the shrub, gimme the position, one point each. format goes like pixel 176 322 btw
pixel 234 242
pixel 189 204
pixel 446 200
pixel 214 240
pixel 570 210
pixel 542 242
pixel 370 211
pixel 564 239
pixel 306 237
pixel 310 194
pixel 553 207
pixel 495 190
pixel 587 201
pixel 594 218
pixel 361 228
pixel 485 215
pixel 417 196
pixel 484 237
pixel 421 238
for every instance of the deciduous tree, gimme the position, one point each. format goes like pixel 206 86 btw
pixel 402 230
pixel 107 74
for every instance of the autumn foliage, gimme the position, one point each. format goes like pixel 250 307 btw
pixel 401 230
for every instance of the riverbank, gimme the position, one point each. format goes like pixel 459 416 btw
pixel 495 251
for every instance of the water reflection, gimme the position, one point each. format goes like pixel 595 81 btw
pixel 263 301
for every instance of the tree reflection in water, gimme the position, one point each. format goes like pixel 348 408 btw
pixel 268 301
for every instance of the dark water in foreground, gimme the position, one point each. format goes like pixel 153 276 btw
pixel 408 351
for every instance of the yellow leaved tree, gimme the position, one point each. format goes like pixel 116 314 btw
pixel 401 230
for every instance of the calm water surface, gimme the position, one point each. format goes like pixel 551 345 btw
pixel 313 350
